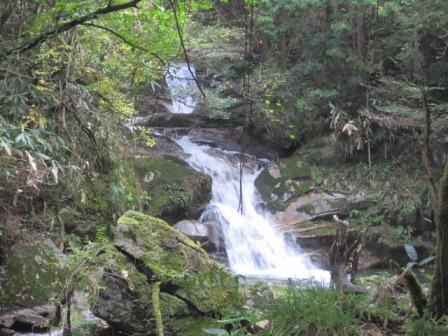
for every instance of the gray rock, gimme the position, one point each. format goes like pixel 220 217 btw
pixel 32 286
pixel 208 234
pixel 37 318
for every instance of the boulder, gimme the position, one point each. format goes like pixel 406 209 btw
pixel 32 287
pixel 178 262
pixel 173 190
pixel 208 234
pixel 124 300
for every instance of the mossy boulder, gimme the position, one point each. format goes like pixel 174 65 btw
pixel 279 183
pixel 32 286
pixel 181 264
pixel 124 300
pixel 173 190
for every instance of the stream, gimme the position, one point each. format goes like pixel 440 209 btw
pixel 254 247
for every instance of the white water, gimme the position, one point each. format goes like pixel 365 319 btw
pixel 254 247
pixel 183 88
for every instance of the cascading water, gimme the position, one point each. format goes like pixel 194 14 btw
pixel 254 247
pixel 182 87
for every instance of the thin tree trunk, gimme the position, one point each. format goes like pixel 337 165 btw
pixel 439 291
pixel 361 34
pixel 427 152
pixel 283 52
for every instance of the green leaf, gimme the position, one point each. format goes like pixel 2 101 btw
pixel 43 156
pixel 426 261
pixel 216 331
pixel 233 320
pixel 411 252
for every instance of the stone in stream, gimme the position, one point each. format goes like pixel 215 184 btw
pixel 208 234
pixel 32 287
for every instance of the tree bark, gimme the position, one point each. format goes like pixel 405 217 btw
pixel 361 34
pixel 427 151
pixel 439 291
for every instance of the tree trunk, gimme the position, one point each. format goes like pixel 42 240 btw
pixel 439 291
pixel 361 34
pixel 283 50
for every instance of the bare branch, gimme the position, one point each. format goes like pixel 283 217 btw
pixel 182 43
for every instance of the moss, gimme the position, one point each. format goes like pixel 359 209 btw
pixel 137 304
pixel 319 232
pixel 302 188
pixel 173 306
pixel 317 229
pixel 177 260
pixel 171 189
pixel 309 209
pixel 92 195
pixel 193 326
pixel 265 184
pixel 293 181
pixel 35 275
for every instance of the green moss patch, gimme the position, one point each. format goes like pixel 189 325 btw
pixel 36 275
pixel 172 190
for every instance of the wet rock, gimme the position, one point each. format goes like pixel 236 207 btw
pixel 208 234
pixel 193 120
pixel 32 286
pixel 317 207
pixel 178 262
pixel 37 318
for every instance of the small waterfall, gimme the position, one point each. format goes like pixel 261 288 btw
pixel 183 88
pixel 254 247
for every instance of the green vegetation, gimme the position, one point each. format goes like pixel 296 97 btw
pixel 352 95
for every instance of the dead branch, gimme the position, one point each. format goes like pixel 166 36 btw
pixel 343 260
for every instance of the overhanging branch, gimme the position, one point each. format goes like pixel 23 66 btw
pixel 69 25
pixel 125 40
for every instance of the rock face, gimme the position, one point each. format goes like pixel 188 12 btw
pixel 208 234
pixel 125 298
pixel 32 287
pixel 148 250
pixel 174 191
pixel 294 190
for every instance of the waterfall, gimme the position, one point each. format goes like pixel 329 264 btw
pixel 182 87
pixel 254 247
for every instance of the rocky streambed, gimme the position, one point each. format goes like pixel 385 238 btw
pixel 172 246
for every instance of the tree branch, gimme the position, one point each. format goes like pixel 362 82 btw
pixel 69 25
pixel 125 40
pixel 182 43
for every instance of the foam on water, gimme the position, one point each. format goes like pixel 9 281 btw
pixel 254 246
pixel 182 87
